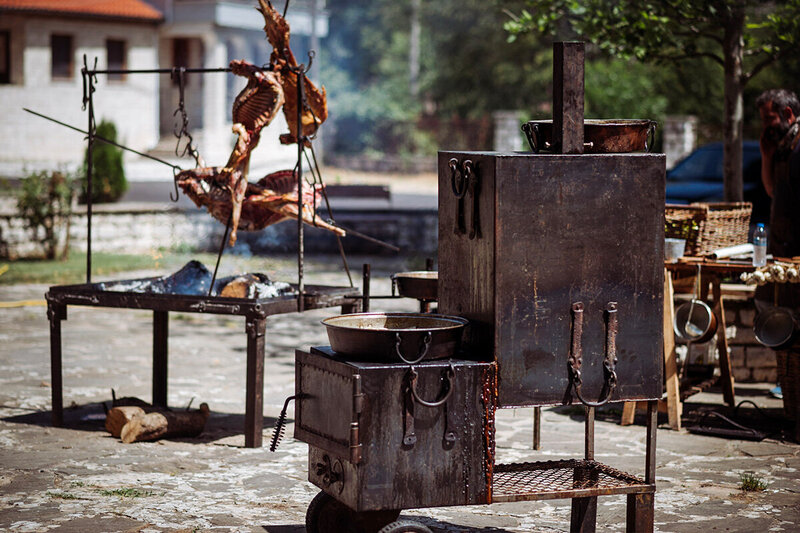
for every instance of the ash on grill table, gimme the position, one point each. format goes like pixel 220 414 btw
pixel 194 279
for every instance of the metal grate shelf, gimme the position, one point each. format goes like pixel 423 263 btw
pixel 572 478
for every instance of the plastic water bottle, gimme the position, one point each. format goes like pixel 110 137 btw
pixel 760 246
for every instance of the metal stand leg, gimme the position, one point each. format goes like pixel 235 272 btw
pixel 584 510
pixel 56 313
pixel 641 507
pixel 650 450
pixel 366 277
pixel 160 360
pixel 584 515
pixel 254 401
pixel 537 428
pixel 640 513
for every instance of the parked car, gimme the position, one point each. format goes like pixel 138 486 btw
pixel 698 178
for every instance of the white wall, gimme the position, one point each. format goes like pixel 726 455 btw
pixel 28 142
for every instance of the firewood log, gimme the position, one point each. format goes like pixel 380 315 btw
pixel 155 425
pixel 117 417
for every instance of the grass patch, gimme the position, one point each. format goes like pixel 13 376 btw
pixel 104 265
pixel 73 270
pixel 751 483
pixel 129 492
pixel 62 495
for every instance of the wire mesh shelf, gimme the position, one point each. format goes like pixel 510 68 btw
pixel 569 478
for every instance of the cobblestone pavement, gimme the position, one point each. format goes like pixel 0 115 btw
pixel 80 479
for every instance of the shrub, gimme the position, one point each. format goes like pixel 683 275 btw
pixel 44 203
pixel 108 174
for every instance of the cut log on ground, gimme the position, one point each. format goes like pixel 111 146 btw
pixel 117 417
pixel 161 424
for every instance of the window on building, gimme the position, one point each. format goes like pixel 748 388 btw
pixel 180 57
pixel 116 58
pixel 5 57
pixel 61 53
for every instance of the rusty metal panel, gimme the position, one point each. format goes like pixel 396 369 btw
pixel 324 409
pixel 467 287
pixel 567 229
pixel 444 464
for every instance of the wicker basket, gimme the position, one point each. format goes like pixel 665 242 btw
pixel 789 379
pixel 707 227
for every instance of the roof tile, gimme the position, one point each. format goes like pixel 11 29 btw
pixel 128 9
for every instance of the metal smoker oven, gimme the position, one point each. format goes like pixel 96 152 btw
pixel 557 261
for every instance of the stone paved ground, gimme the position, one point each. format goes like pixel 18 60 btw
pixel 79 479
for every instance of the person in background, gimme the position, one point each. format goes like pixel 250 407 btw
pixel 780 172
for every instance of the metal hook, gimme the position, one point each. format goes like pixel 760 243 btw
pixel 175 172
pixel 311 55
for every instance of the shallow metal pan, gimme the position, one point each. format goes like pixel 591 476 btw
pixel 395 337
pixel 420 284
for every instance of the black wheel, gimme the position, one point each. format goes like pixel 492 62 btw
pixel 327 515
pixel 405 526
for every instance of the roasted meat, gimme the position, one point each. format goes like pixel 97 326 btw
pixel 273 199
pixel 225 191
pixel 315 107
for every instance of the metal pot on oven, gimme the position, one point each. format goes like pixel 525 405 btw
pixel 395 337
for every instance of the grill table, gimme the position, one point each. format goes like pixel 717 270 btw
pixel 255 312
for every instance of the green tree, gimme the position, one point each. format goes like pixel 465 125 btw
pixel 108 174
pixel 741 36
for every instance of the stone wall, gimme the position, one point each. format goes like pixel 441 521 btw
pixel 680 137
pixel 144 228
pixel 383 163
pixel 507 131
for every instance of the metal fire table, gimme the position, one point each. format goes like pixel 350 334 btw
pixel 255 312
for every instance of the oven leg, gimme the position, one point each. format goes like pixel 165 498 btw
pixel 641 507
pixel 640 513
pixel 160 360
pixel 537 428
pixel 56 313
pixel 254 395
pixel 584 515
pixel 584 510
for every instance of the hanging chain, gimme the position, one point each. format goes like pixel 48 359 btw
pixel 88 90
pixel 189 148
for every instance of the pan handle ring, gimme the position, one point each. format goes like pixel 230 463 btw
pixel 447 387
pixel 426 344
pixel 650 139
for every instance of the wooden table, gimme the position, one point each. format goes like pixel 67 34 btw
pixel 712 272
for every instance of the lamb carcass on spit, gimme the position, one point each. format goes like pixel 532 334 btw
pixel 271 200
pixel 225 191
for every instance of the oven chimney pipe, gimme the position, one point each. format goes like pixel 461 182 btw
pixel 568 59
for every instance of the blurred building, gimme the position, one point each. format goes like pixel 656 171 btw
pixel 42 44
